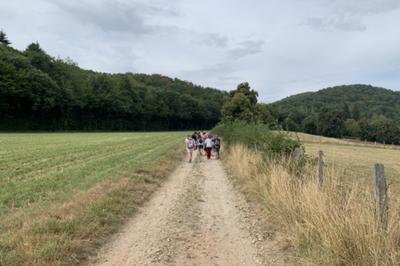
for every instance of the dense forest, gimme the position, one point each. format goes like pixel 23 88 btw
pixel 40 92
pixel 357 111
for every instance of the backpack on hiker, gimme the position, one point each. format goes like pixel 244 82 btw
pixel 217 143
pixel 190 144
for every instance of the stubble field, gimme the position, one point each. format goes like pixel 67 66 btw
pixel 355 158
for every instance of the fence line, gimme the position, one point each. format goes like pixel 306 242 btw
pixel 380 189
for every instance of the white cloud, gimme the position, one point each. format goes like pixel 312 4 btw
pixel 280 47
pixel 246 48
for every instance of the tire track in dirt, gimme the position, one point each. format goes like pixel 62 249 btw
pixel 196 218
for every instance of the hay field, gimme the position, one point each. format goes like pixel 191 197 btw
pixel 62 194
pixel 354 157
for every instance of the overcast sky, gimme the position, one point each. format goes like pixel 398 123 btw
pixel 281 47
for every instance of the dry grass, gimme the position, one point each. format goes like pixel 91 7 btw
pixel 326 140
pixel 332 226
pixel 354 158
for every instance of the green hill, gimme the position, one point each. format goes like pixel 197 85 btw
pixel 360 111
pixel 368 99
pixel 40 92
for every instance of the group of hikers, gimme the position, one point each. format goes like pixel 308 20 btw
pixel 204 142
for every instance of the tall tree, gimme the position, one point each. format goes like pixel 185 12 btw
pixel 39 58
pixel 355 113
pixel 3 38
pixel 330 123
pixel 238 108
pixel 346 111
pixel 309 124
pixel 247 91
pixel 264 114
pixel 241 104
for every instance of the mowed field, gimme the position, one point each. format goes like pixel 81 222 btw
pixel 62 194
pixel 355 158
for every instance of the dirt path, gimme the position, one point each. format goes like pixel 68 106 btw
pixel 196 218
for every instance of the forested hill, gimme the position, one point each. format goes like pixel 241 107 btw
pixel 363 111
pixel 39 92
pixel 368 99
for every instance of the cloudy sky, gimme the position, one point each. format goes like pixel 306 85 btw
pixel 281 47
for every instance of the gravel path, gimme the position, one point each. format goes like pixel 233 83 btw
pixel 196 218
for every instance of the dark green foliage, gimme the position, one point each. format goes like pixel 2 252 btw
pixel 3 38
pixel 241 104
pixel 363 101
pixel 247 122
pixel 351 128
pixel 356 111
pixel 330 122
pixel 39 92
pixel 380 129
pixel 247 91
pixel 289 124
pixel 238 107
pixel 309 124
pixel 346 114
pixel 264 115
pixel 257 136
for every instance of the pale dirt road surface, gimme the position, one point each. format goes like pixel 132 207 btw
pixel 195 218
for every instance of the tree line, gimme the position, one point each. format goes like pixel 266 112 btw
pixel 40 92
pixel 355 111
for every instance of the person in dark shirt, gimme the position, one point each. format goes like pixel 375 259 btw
pixel 216 146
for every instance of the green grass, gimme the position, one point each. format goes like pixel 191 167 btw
pixel 53 185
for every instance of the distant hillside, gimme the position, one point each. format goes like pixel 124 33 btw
pixel 367 99
pixel 358 110
pixel 39 92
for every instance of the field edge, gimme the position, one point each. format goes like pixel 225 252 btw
pixel 71 232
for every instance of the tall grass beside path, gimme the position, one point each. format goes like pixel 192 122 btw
pixel 335 225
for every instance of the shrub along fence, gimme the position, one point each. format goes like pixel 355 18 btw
pixel 259 137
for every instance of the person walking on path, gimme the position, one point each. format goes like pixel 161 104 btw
pixel 217 145
pixel 189 141
pixel 209 144
pixel 200 145
pixel 194 137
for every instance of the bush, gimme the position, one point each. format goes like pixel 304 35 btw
pixel 257 136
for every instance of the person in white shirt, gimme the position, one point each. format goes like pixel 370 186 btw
pixel 189 141
pixel 209 144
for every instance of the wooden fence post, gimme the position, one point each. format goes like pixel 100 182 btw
pixel 321 168
pixel 381 197
pixel 296 154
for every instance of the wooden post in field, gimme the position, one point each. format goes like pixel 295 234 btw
pixel 380 195
pixel 321 168
pixel 296 154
